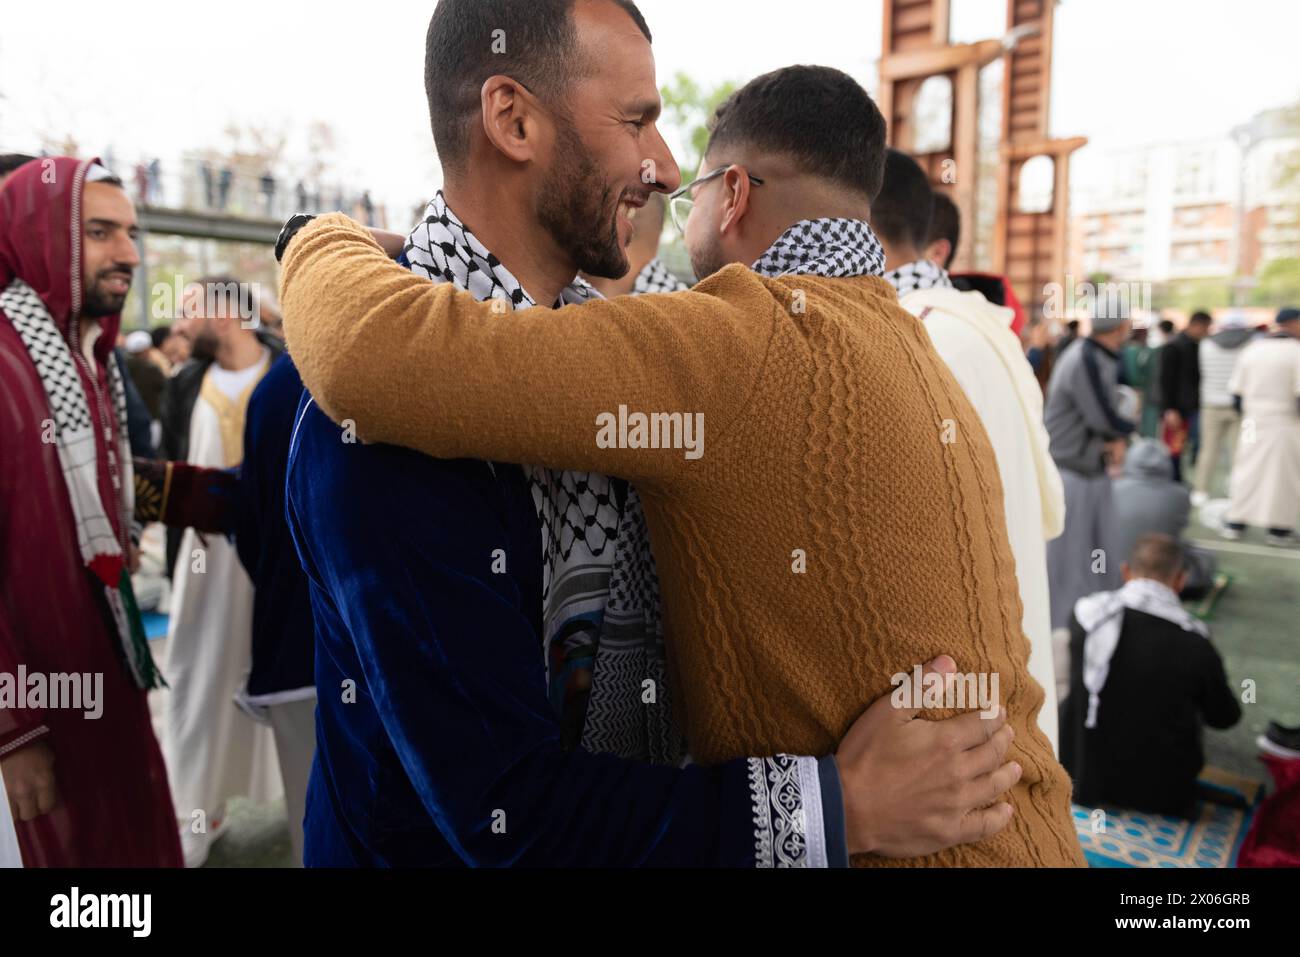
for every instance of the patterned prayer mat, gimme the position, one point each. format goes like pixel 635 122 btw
pixel 1113 837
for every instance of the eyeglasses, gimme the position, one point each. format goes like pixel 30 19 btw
pixel 680 202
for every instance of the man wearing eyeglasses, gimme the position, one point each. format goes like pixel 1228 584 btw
pixel 432 615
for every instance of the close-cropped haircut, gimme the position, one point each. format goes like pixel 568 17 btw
pixel 901 213
pixel 1156 555
pixel 531 41
pixel 819 117
pixel 945 223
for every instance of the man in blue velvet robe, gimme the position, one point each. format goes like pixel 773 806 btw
pixel 280 689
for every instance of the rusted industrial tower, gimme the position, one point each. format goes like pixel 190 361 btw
pixel 1028 246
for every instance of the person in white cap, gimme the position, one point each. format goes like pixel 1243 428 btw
pixel 1089 435
pixel 1220 421
pixel 148 376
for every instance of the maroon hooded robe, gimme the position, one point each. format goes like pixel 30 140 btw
pixel 115 809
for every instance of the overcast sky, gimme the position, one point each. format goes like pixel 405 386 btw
pixel 156 77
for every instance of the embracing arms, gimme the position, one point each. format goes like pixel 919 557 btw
pixel 414 363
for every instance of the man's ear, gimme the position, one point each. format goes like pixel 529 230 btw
pixel 511 120
pixel 735 198
pixel 1125 571
pixel 937 252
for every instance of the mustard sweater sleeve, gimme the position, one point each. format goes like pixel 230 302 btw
pixel 424 365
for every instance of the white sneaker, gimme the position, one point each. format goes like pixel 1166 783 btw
pixel 196 847
pixel 1199 499
pixel 1231 534
pixel 1272 747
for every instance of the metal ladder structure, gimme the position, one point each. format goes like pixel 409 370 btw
pixel 1027 247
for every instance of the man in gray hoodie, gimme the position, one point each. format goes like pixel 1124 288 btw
pixel 1088 437
pixel 1148 499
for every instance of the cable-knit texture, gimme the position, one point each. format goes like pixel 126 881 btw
pixel 834 431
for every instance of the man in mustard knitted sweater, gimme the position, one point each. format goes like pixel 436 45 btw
pixel 823 501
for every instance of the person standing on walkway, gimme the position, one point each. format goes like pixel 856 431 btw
pixel 1265 483
pixel 1220 420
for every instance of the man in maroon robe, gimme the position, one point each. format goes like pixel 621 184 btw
pixel 85 791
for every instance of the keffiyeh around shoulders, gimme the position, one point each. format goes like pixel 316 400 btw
pixel 921 274
pixel 824 247
pixel 594 539
pixel 1101 616
pixel 656 277
pixel 443 249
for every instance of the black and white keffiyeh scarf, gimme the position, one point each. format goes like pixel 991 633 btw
pixel 101 551
pixel 824 247
pixel 921 274
pixel 597 572
pixel 656 277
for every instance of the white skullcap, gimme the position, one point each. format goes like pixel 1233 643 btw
pixel 139 341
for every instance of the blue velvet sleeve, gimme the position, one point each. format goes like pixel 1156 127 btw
pixel 268 424
pixel 283 639
pixel 400 548
pixel 138 421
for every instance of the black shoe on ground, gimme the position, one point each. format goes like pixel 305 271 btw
pixel 1283 742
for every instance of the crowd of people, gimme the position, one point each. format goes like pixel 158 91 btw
pixel 467 585
pixel 242 188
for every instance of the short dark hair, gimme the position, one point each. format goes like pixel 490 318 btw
pixel 11 161
pixel 821 118
pixel 901 213
pixel 159 335
pixel 1156 555
pixel 945 223
pixel 1166 326
pixel 1200 318
pixel 540 51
